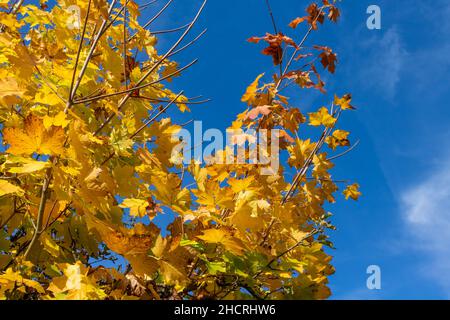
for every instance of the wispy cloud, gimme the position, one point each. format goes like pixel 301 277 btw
pixel 382 71
pixel 426 212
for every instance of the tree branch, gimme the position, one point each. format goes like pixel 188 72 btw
pixel 79 51
pixel 156 65
pixel 312 233
pixel 135 88
pixel 153 18
pixel 89 56
pixel 40 215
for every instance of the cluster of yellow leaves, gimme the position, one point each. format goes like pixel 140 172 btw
pixel 7 188
pixel 88 168
pixel 75 284
pixel 223 237
pixel 14 280
pixel 35 137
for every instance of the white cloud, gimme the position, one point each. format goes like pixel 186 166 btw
pixel 426 212
pixel 383 68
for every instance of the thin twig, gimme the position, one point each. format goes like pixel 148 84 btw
pixel 135 88
pixel 312 233
pixel 62 212
pixel 156 65
pixel 170 30
pixel 145 5
pixel 345 152
pixel 16 7
pixel 153 18
pixel 40 215
pixel 125 46
pixel 275 29
pixel 164 101
pixel 146 123
pixel 79 50
pixel 271 16
pixel 303 170
pixel 298 48
pixel 188 44
pixel 88 58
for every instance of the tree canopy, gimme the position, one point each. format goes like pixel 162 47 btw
pixel 88 163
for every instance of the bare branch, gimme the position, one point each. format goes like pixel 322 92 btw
pixel 125 99
pixel 186 103
pixel 182 48
pixel 145 124
pixel 16 7
pixel 133 89
pixel 272 16
pixel 79 50
pixel 275 29
pixel 88 58
pixel 40 215
pixel 160 12
pixel 345 152
pixel 188 44
pixel 146 5
pixel 171 30
pixel 125 46
pixel 308 161
pixel 312 233
pixel 298 48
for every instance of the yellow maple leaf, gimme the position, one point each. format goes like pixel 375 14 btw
pixel 250 94
pixel 344 102
pixel 47 97
pixel 238 185
pixel 50 246
pixel 75 284
pixel 4 3
pixel 224 237
pixel 9 87
pixel 9 188
pixel 321 117
pixel 338 138
pixel 172 261
pixel 122 240
pixel 352 191
pixel 321 164
pixel 59 120
pixel 340 134
pixel 15 164
pixel 170 193
pixel 137 207
pixel 14 279
pixel 299 152
pixel 34 138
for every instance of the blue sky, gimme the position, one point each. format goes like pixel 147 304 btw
pixel 399 80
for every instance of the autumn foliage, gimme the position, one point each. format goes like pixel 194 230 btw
pixel 87 165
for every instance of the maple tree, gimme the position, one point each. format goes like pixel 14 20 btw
pixel 88 165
